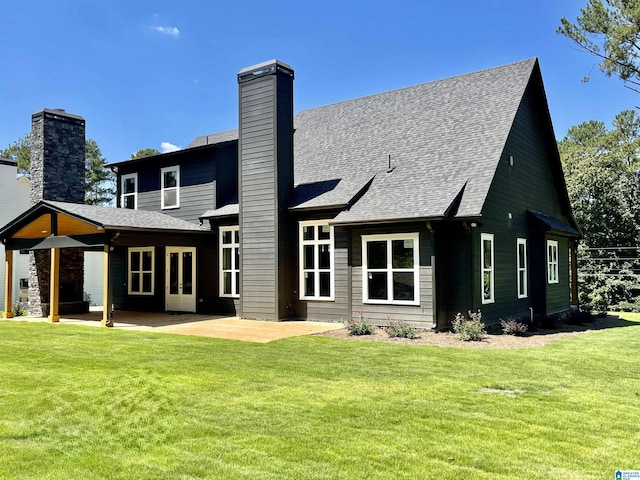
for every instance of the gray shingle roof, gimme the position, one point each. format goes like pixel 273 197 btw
pixel 212 138
pixel 225 211
pixel 442 136
pixel 114 218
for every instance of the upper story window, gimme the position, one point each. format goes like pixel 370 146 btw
pixel 141 281
pixel 129 189
pixel 170 178
pixel 390 269
pixel 521 263
pixel 552 261
pixel 316 261
pixel 487 270
pixel 229 262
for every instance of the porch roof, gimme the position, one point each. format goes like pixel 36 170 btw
pixel 60 224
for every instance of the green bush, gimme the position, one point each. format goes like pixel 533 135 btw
pixel 513 327
pixel 18 310
pixel 359 326
pixel 402 330
pixel 469 329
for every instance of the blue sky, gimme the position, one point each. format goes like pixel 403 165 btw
pixel 158 73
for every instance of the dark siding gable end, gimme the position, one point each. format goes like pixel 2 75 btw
pixel 533 182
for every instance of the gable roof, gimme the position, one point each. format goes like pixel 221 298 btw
pixel 441 137
pixel 443 140
pixel 102 218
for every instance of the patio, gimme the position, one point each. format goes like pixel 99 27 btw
pixel 232 328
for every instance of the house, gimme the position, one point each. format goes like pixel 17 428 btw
pixel 411 205
pixel 14 195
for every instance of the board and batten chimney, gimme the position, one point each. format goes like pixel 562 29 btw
pixel 57 173
pixel 265 184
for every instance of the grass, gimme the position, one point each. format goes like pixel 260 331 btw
pixel 85 403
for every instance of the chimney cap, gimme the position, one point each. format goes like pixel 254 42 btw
pixel 59 112
pixel 269 67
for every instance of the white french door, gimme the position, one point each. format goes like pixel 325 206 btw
pixel 180 275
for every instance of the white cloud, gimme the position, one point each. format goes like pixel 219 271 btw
pixel 171 31
pixel 168 147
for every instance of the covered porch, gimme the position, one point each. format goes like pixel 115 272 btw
pixel 54 227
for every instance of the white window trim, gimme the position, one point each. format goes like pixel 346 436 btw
pixel 316 242
pixel 491 299
pixel 552 266
pixel 234 268
pixel 416 268
pixel 519 270
pixel 152 271
pixel 135 192
pixel 175 168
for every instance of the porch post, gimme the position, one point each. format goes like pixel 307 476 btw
pixel 574 275
pixel 107 316
pixel 8 283
pixel 54 291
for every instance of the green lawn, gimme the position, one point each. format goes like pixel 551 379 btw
pixel 83 403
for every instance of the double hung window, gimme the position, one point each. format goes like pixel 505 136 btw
pixel 552 261
pixel 229 262
pixel 521 265
pixel 170 179
pixel 129 191
pixel 488 273
pixel 316 261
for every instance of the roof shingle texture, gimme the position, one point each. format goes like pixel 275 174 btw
pixel 124 218
pixel 441 137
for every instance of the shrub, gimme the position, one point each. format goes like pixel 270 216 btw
pixel 513 327
pixel 18 310
pixel 359 326
pixel 402 330
pixel 469 329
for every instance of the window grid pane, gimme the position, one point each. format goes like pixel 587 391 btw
pixel 140 271
pixel 390 269
pixel 229 258
pixel 316 261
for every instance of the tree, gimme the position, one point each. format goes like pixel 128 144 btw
pixel 20 152
pixel 600 169
pixel 99 180
pixel 610 30
pixel 145 152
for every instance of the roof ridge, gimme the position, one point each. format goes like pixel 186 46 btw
pixel 531 60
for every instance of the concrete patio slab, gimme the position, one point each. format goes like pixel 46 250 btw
pixel 231 328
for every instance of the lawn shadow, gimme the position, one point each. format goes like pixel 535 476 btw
pixel 598 323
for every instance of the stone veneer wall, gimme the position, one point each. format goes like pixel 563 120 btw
pixel 57 173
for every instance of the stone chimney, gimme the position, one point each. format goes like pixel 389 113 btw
pixel 57 173
pixel 265 184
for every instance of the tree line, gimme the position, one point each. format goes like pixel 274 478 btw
pixel 602 165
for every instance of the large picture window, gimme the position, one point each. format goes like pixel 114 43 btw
pixel 390 269
pixel 229 262
pixel 170 178
pixel 141 281
pixel 521 262
pixel 316 261
pixel 129 189
pixel 488 275
pixel 552 261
